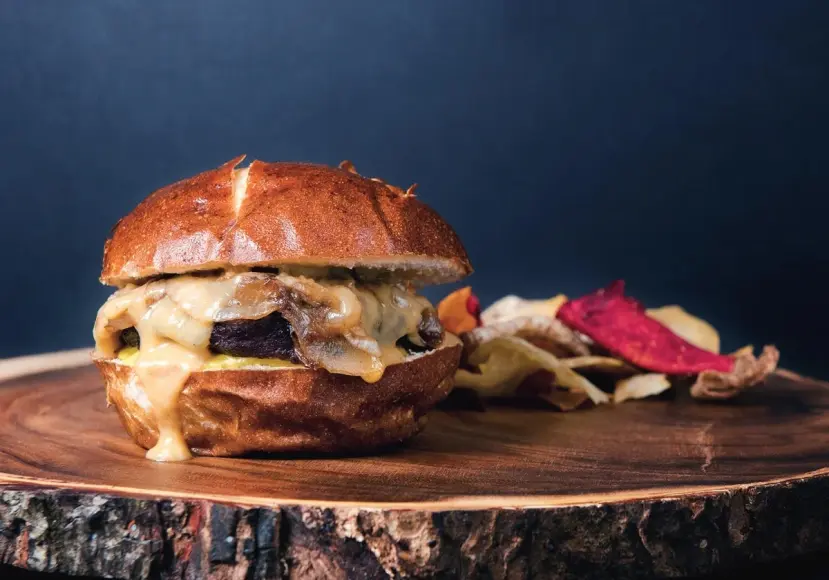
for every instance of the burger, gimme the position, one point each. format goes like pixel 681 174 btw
pixel 274 308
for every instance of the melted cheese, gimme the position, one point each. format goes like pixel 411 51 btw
pixel 340 326
pixel 219 362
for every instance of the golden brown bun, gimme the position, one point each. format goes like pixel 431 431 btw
pixel 231 412
pixel 290 213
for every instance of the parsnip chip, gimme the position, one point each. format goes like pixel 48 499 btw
pixel 542 331
pixel 505 361
pixel 460 311
pixel 695 330
pixel 563 399
pixel 640 386
pixel 748 371
pixel 542 385
pixel 512 306
pixel 598 363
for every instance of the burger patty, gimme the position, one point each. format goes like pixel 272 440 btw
pixel 271 337
pixel 268 337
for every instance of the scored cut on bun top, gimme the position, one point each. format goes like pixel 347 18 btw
pixel 277 214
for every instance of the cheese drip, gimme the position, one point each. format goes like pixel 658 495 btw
pixel 340 326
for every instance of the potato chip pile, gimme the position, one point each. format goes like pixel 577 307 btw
pixel 601 348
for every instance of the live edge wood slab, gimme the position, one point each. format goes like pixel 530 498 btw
pixel 649 488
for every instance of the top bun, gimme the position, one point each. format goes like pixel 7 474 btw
pixel 277 214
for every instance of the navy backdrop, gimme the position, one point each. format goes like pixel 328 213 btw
pixel 679 144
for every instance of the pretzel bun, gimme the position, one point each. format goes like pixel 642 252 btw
pixel 276 214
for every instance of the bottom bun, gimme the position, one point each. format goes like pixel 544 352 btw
pixel 233 412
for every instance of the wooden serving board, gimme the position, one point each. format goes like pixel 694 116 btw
pixel 661 487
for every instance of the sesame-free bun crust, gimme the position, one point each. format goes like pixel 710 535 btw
pixel 297 410
pixel 282 214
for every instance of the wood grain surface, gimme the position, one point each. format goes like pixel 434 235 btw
pixel 662 487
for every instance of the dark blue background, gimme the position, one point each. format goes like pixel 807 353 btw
pixel 679 144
